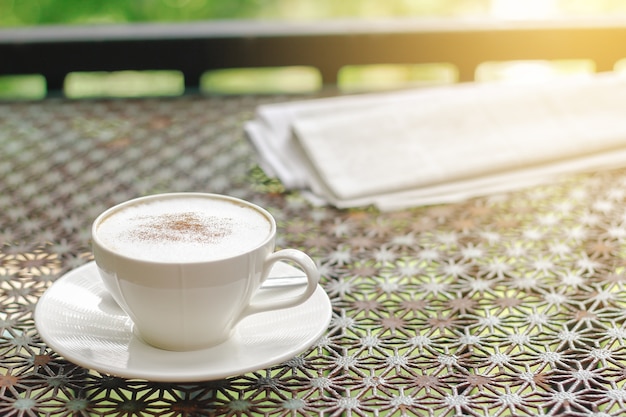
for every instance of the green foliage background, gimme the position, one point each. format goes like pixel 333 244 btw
pixel 15 13
pixel 43 12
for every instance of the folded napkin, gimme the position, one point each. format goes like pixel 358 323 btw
pixel 442 144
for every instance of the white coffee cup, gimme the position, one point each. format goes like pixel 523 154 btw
pixel 186 267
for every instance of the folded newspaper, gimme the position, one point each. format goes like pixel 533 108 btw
pixel 442 144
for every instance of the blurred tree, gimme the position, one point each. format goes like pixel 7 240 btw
pixel 46 12
pixel 50 12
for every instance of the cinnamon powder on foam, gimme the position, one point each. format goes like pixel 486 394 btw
pixel 182 227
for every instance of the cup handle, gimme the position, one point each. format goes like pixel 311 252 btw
pixel 310 270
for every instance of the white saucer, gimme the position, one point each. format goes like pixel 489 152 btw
pixel 78 319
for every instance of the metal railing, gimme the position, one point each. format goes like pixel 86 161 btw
pixel 194 48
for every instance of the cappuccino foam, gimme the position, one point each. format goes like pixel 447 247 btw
pixel 186 229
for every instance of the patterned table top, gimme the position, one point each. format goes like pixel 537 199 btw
pixel 505 305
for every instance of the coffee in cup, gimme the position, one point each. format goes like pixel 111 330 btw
pixel 184 229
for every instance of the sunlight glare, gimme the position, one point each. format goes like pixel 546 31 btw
pixel 528 72
pixel 526 9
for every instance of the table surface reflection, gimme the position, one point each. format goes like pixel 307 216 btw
pixel 505 305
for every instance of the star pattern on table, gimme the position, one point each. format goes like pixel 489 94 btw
pixel 510 304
